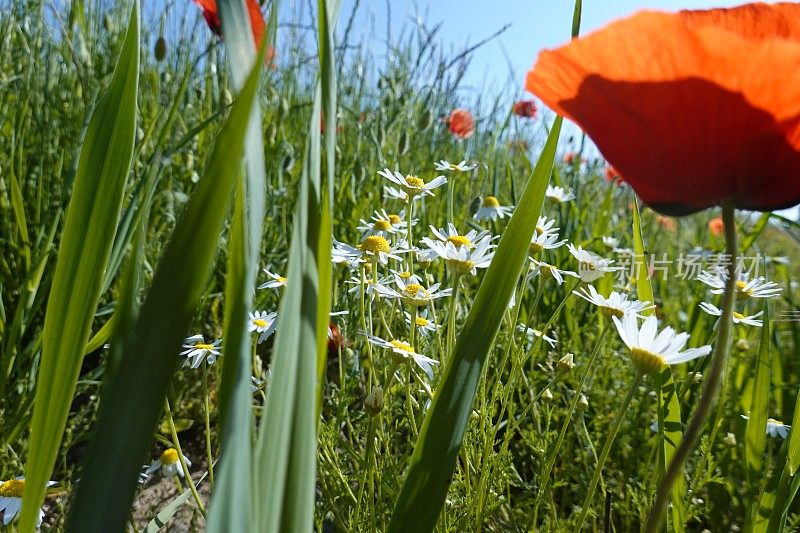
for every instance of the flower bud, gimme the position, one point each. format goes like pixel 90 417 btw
pixel 730 439
pixel 547 395
pixel 374 402
pixel 583 403
pixel 566 363
pixel 743 345
pixel 160 50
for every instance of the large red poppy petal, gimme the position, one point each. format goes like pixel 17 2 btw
pixel 678 110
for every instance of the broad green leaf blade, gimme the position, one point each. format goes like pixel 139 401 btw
pixel 165 514
pixel 434 458
pixel 755 231
pixel 669 409
pixel 86 243
pixel 286 449
pixel 132 402
pixel 794 440
pixel 755 435
pixel 231 506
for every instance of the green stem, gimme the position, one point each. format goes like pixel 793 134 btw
pixel 451 326
pixel 587 502
pixel 713 379
pixel 206 412
pixel 545 475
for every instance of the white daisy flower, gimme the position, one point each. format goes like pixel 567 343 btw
pixel 616 304
pixel 412 185
pixel 169 464
pixel 373 249
pixel 610 243
pixel 491 209
pixel 370 285
pixel 11 500
pixel 745 288
pixel 450 234
pixel 408 277
pixel 425 256
pixel 262 323
pixel 195 349
pixel 381 223
pixel 461 167
pixel 406 353
pixel 651 352
pixel 461 259
pixel 276 282
pixel 775 428
pixel 738 318
pixel 590 265
pixel 530 333
pixel 548 270
pixel 558 195
pixel 413 293
pixel 544 241
pixel 424 324
pixel 343 253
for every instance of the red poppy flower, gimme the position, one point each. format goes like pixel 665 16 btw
pixel 524 108
pixel 461 123
pixel 693 108
pixel 211 14
pixel 612 176
pixel 335 340
pixel 716 226
pixel 667 223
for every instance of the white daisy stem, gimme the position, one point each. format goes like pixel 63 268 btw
pixel 174 434
pixel 598 469
pixel 206 412
pixel 409 235
pixel 713 379
pixel 363 314
pixel 413 328
pixel 544 478
pixel 410 405
pixel 450 186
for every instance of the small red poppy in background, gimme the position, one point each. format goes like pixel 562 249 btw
pixel 211 14
pixel 335 340
pixel 716 226
pixel 668 223
pixel 569 158
pixel 612 176
pixel 694 108
pixel 524 108
pixel 461 123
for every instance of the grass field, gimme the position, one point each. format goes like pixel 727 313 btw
pixel 154 188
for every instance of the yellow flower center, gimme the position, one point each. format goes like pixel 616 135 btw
pixel 646 361
pixel 281 279
pixel 546 270
pixel 12 488
pixel 395 219
pixel 490 201
pixel 382 225
pixel 539 230
pixel 375 244
pixel 741 292
pixel 611 311
pixel 738 316
pixel 402 345
pixel 414 181
pixel 769 420
pixel 260 322
pixel 414 289
pixel 169 456
pixel 405 275
pixel 460 240
pixel 421 321
pixel 202 346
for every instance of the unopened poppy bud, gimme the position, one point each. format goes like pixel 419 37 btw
pixel 108 23
pixel 743 345
pixel 374 402
pixel 547 395
pixel 402 144
pixel 583 403
pixel 160 50
pixel 730 439
pixel 566 363
pixel 424 120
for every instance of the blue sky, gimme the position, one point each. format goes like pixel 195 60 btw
pixel 535 24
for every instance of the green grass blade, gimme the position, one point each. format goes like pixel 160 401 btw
pixel 434 458
pixel 794 440
pixel 755 436
pixel 231 506
pixel 669 412
pixel 131 405
pixel 86 243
